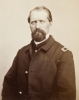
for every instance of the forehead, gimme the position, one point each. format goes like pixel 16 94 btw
pixel 38 15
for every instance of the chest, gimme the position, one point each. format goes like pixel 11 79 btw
pixel 41 63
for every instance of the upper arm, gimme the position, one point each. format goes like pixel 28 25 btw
pixel 10 81
pixel 66 76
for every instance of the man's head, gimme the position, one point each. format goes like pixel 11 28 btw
pixel 39 19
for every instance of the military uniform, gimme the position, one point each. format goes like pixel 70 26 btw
pixel 46 73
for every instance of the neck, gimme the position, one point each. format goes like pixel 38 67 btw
pixel 47 36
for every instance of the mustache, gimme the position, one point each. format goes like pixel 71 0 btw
pixel 39 30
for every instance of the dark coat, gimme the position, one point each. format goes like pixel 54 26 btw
pixel 51 74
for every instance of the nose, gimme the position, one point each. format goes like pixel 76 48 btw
pixel 38 25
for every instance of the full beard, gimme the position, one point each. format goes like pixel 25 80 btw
pixel 38 35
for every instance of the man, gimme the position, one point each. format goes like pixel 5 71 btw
pixel 42 70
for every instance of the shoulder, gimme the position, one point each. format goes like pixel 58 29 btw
pixel 24 49
pixel 63 50
pixel 61 47
pixel 63 53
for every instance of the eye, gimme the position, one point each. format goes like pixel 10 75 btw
pixel 33 22
pixel 42 21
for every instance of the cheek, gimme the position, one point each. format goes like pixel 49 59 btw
pixel 46 28
pixel 32 28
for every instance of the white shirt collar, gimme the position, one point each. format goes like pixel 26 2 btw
pixel 47 36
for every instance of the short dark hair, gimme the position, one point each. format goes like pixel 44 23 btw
pixel 41 8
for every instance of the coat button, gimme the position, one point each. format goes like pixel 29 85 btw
pixel 20 92
pixel 36 50
pixel 26 72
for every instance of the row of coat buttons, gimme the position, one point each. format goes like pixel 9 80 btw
pixel 32 93
pixel 26 72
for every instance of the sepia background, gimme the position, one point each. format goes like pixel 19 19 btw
pixel 15 31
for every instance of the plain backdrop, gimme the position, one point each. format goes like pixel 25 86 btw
pixel 15 31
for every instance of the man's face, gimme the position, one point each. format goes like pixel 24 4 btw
pixel 39 24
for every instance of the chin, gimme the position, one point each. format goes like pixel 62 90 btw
pixel 38 38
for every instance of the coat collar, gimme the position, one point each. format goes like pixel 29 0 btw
pixel 45 46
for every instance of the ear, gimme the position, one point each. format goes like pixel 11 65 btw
pixel 51 24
